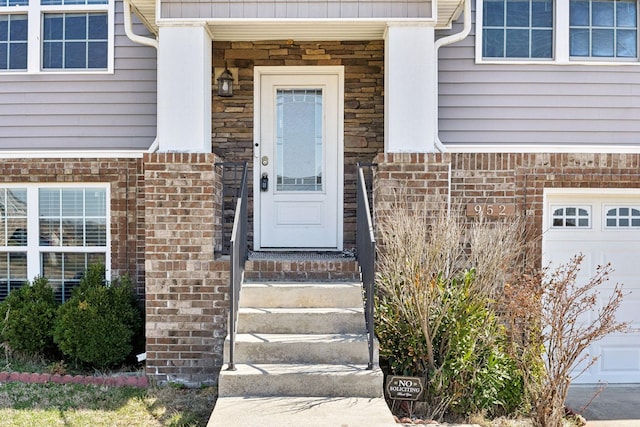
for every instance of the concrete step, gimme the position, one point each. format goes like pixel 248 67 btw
pixel 308 348
pixel 301 320
pixel 302 267
pixel 296 294
pixel 301 412
pixel 330 380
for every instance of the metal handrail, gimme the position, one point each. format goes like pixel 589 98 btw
pixel 239 254
pixel 232 175
pixel 366 251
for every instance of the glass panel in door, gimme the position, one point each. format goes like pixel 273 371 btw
pixel 299 140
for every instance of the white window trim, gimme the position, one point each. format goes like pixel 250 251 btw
pixel 33 225
pixel 560 46
pixel 35 13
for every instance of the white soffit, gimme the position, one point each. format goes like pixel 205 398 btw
pixel 448 11
pixel 145 10
pixel 297 30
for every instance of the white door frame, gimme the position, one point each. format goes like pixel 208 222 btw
pixel 260 71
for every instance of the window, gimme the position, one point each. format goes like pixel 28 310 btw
pixel 603 28
pixel 571 217
pixel 562 31
pixel 68 35
pixel 13 239
pixel 56 232
pixel 518 28
pixel 75 40
pixel 623 217
pixel 13 42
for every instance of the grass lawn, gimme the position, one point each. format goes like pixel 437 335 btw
pixel 82 405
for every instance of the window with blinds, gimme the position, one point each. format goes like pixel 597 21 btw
pixel 55 232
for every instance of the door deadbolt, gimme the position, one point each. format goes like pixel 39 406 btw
pixel 265 160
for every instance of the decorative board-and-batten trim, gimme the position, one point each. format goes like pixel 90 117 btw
pixel 67 154
pixel 542 148
pixel 451 148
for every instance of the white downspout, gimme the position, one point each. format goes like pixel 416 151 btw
pixel 453 38
pixel 146 41
pixel 128 28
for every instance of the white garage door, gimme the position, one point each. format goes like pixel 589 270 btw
pixel 605 227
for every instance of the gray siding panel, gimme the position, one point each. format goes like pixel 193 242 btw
pixel 300 9
pixel 535 103
pixel 83 112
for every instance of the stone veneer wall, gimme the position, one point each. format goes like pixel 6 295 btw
pixel 363 61
pixel 127 214
pixel 500 178
pixel 187 288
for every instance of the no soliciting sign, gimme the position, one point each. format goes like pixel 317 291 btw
pixel 405 388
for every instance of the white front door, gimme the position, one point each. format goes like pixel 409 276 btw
pixel 605 228
pixel 298 158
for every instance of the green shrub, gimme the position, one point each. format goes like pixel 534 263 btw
pixel 96 326
pixel 471 370
pixel 476 369
pixel 27 317
pixel 438 281
pixel 402 347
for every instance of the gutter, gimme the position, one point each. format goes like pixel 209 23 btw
pixel 453 38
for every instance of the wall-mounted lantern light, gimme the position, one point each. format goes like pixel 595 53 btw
pixel 225 83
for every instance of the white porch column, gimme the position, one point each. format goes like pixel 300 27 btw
pixel 184 89
pixel 410 89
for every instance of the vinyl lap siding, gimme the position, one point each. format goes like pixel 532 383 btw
pixel 535 104
pixel 102 111
pixel 302 9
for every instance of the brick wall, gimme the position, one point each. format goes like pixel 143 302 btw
pixel 363 61
pixel 127 217
pixel 165 225
pixel 500 178
pixel 418 177
pixel 187 288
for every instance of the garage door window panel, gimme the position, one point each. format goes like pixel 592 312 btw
pixel 622 217
pixel 571 217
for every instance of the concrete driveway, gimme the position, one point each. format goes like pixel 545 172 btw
pixel 615 406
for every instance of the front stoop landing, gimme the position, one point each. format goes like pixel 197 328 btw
pixel 301 352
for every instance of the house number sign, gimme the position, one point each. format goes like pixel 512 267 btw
pixel 491 210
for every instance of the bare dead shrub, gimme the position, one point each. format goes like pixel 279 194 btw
pixel 521 308
pixel 551 310
pixel 495 249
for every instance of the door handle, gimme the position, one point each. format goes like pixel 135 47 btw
pixel 264 182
